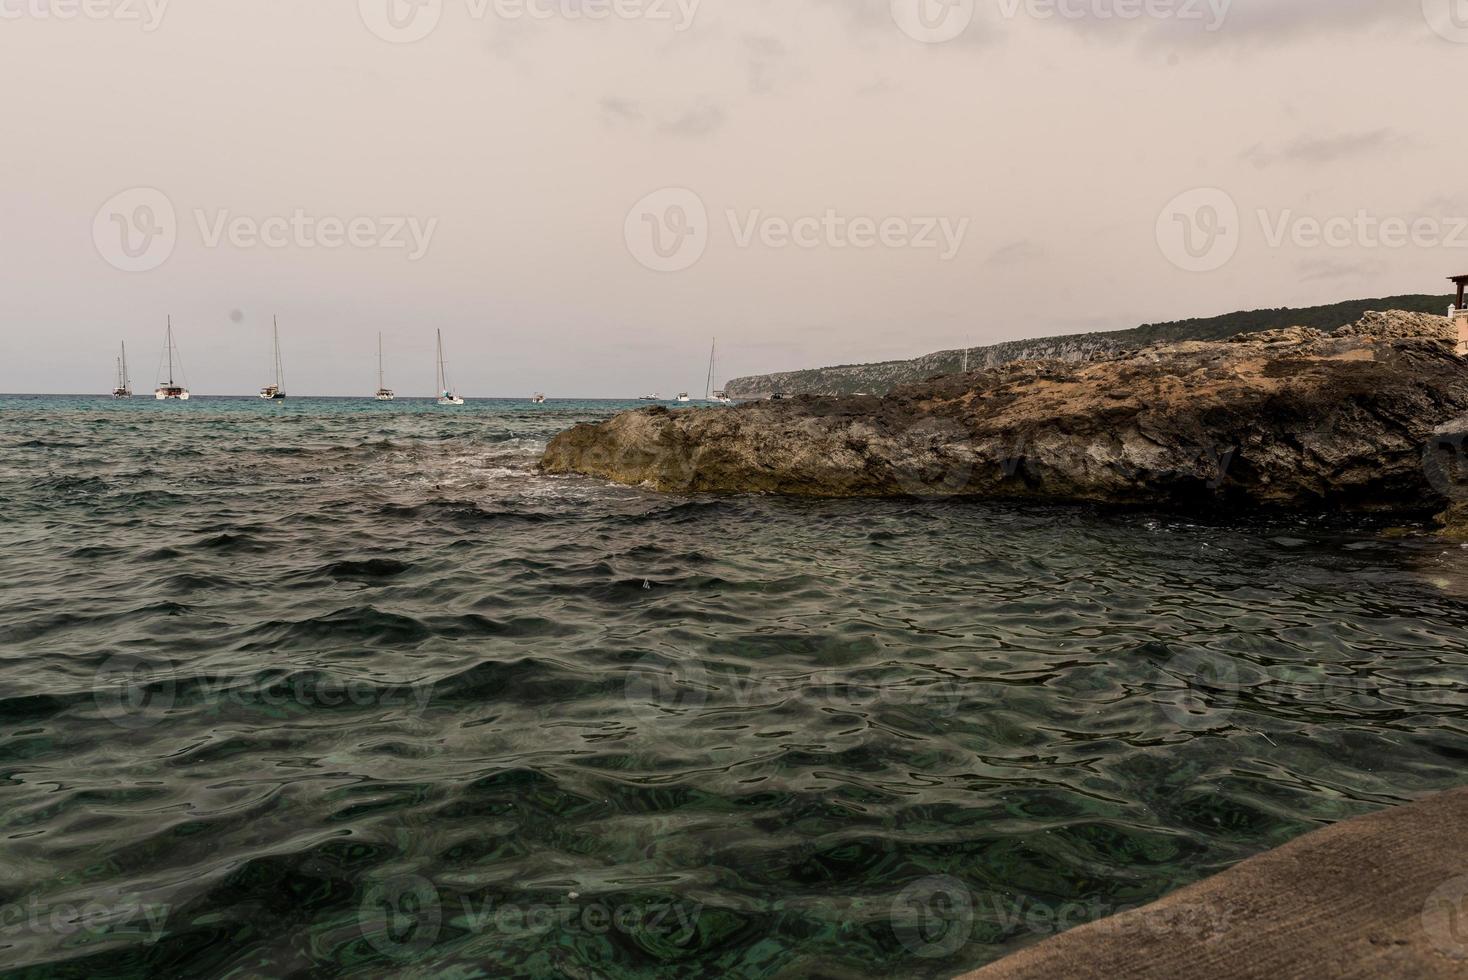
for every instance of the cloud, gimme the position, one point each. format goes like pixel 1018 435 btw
pixel 1326 270
pixel 697 122
pixel 767 62
pixel 1016 253
pixel 694 122
pixel 622 110
pixel 1323 150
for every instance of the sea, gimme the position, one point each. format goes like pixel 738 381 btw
pixel 336 688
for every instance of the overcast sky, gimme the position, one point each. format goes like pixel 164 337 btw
pixel 581 205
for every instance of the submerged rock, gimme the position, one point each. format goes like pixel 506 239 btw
pixel 1291 418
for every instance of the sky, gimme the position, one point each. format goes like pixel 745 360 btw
pixel 582 194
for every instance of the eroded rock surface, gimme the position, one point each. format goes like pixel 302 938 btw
pixel 1293 418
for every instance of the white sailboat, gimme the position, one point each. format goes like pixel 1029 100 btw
pixel 384 393
pixel 275 392
pixel 124 387
pixel 446 393
pixel 539 399
pixel 170 390
pixel 709 394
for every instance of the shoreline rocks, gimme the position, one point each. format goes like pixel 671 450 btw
pixel 1293 418
pixel 1378 896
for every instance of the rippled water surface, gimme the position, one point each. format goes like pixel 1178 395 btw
pixel 334 688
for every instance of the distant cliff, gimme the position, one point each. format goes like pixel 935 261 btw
pixel 879 379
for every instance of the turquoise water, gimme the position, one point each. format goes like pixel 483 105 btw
pixel 337 688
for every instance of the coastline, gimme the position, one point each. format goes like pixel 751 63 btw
pixel 1381 895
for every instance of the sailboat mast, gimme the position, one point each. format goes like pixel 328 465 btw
pixel 381 378
pixel 708 388
pixel 279 374
pixel 170 352
pixel 122 366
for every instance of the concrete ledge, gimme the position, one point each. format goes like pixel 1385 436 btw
pixel 1385 895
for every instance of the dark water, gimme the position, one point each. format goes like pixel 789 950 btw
pixel 344 689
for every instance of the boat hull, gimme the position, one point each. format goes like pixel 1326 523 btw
pixel 171 396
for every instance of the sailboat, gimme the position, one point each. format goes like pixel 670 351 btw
pixel 124 388
pixel 539 399
pixel 170 390
pixel 275 392
pixel 384 393
pixel 709 395
pixel 446 393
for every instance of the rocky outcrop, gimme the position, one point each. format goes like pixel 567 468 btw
pixel 1378 896
pixel 1293 418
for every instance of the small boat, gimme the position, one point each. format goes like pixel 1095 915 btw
pixel 124 387
pixel 723 398
pixel 683 397
pixel 650 398
pixel 539 399
pixel 447 395
pixel 170 390
pixel 384 393
pixel 275 392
